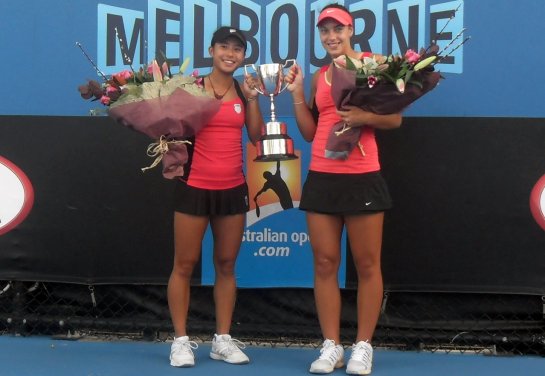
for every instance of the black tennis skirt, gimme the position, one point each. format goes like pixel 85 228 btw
pixel 345 194
pixel 206 202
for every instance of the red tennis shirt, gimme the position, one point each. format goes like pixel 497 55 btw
pixel 216 161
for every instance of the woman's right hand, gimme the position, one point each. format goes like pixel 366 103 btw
pixel 249 86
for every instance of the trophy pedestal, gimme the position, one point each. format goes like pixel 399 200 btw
pixel 274 144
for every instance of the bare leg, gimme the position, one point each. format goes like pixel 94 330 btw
pixel 325 237
pixel 227 232
pixel 188 234
pixel 365 236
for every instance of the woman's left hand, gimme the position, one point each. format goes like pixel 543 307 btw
pixel 352 116
pixel 356 117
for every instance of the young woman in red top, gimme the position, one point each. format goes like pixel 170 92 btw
pixel 342 193
pixel 213 191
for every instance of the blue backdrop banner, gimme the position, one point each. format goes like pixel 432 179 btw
pixel 496 74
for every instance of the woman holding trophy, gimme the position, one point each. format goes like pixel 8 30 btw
pixel 213 191
pixel 338 193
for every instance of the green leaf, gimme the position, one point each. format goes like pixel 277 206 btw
pixel 349 63
pixel 361 80
pixel 408 76
pixel 402 72
pixel 389 77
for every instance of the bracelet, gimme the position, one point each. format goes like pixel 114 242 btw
pixel 298 102
pixel 251 99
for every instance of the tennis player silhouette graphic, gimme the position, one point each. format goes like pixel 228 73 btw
pixel 278 186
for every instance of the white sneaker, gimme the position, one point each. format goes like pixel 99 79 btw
pixel 331 357
pixel 181 352
pixel 228 349
pixel 361 360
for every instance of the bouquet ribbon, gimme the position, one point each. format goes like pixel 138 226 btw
pixel 160 148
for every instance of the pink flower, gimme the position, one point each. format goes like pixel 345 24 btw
pixel 122 77
pixel 371 81
pixel 195 73
pixel 411 56
pixel 111 89
pixel 126 74
pixel 156 71
pixel 340 61
pixel 105 100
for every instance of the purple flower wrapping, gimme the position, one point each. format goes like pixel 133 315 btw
pixel 174 117
pixel 383 98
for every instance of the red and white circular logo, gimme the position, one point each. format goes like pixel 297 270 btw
pixel 537 202
pixel 16 196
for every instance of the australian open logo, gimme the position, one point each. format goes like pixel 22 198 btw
pixel 16 196
pixel 274 186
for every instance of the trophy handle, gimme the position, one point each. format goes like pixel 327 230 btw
pixel 255 70
pixel 285 66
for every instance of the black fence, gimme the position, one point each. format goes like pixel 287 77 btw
pixel 483 323
pixel 473 232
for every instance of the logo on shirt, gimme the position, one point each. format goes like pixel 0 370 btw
pixel 238 108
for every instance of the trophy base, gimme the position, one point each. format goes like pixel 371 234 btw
pixel 276 147
pixel 275 157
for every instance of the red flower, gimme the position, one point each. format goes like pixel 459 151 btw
pixel 371 81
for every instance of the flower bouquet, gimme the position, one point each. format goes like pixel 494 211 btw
pixel 382 85
pixel 168 108
pixel 379 84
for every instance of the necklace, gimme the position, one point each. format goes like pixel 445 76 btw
pixel 218 96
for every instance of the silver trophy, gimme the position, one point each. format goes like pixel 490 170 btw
pixel 274 143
